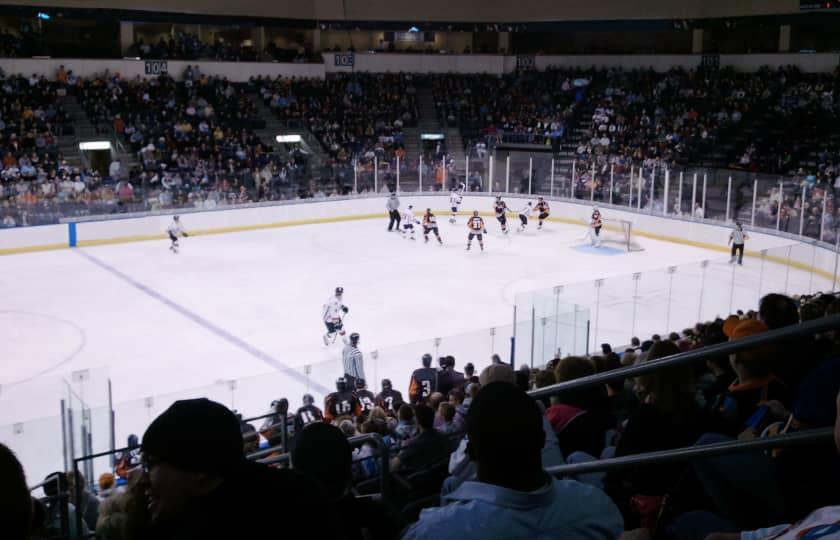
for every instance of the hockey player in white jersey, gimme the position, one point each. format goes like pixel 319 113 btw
pixel 524 214
pixel 409 220
pixel 456 196
pixel 175 229
pixel 334 312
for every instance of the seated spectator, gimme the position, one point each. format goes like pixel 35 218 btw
pixel 406 428
pixel 667 417
pixel 446 413
pixel 56 484
pixel 323 453
pixel 513 497
pixel 16 517
pixel 737 409
pixel 215 492
pixel 427 448
pixel 580 418
pixel 87 505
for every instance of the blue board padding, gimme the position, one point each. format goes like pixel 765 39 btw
pixel 71 234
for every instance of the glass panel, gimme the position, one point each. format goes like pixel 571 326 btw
pixel 37 445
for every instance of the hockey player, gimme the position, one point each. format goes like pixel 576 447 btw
pixel 542 208
pixel 389 399
pixel 501 208
pixel 334 311
pixel 409 220
pixel 366 398
pixel 595 225
pixel 737 238
pixel 455 198
pixel 423 381
pixel 430 225
pixel 353 361
pixel 524 214
pixel 307 414
pixel 175 228
pixel 342 402
pixel 476 226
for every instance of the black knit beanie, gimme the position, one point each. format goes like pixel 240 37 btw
pixel 196 435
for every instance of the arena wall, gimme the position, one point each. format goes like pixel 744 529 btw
pixel 146 227
pixel 415 63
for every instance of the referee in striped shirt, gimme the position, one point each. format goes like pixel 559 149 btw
pixel 351 356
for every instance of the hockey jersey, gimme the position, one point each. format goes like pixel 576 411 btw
pixel 333 309
pixel 476 224
pixel 341 404
pixel 423 384
pixel 307 415
pixel 367 400
pixel 455 199
pixel 390 400
pixel 526 211
pixel 542 207
pixel 429 221
pixel 175 228
pixel 500 208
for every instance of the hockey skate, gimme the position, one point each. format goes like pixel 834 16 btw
pixel 468 247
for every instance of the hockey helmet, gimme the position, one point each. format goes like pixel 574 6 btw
pixel 386 384
pixel 427 360
pixel 341 384
pixel 360 384
pixel 176 218
pixel 475 213
pixel 308 399
pixel 339 291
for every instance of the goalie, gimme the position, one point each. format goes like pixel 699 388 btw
pixel 334 312
pixel 594 231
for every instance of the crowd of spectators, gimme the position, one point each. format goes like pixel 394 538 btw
pixel 527 107
pixel 188 46
pixel 194 139
pixel 358 115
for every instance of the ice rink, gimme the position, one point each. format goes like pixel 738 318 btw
pixel 247 306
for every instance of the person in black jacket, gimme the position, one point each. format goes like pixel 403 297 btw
pixel 199 485
pixel 324 454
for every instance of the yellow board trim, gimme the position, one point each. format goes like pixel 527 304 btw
pixel 362 217
pixel 32 249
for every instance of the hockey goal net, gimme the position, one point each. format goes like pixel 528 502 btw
pixel 619 231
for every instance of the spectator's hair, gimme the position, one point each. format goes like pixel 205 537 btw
pixel 447 411
pixel 425 416
pixel 523 378
pixel 544 378
pixel 15 501
pixel 55 483
pixel 609 363
pixel 573 367
pixel 435 399
pixel 671 388
pixel 778 311
pixel 656 338
pixel 505 432
pixel 457 394
pixel 323 452
pixel 635 342
pixel 469 369
pixel 606 348
pixel 406 413
pixel 347 428
pixel 673 336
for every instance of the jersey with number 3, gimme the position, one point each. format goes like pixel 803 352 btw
pixel 423 383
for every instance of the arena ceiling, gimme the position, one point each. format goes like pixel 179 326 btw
pixel 445 10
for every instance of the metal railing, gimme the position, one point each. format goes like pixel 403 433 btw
pixel 687 453
pixel 690 357
pixel 701 451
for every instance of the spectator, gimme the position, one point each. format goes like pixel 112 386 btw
pixel 16 517
pixel 87 505
pixel 323 453
pixel 215 492
pixel 406 428
pixel 512 496
pixel 427 448
pixel 56 484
